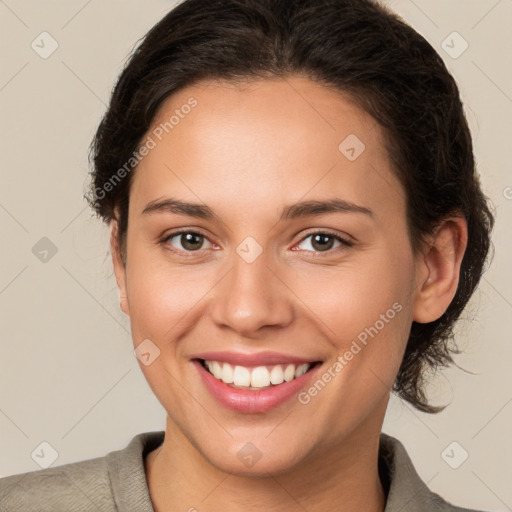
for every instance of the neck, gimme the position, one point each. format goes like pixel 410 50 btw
pixel 345 477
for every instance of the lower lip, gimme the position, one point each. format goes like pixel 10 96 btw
pixel 253 402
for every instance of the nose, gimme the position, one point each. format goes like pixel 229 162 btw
pixel 252 296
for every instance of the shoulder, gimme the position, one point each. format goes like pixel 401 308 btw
pixel 89 485
pixel 406 489
pixel 83 485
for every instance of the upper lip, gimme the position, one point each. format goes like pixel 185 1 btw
pixel 255 359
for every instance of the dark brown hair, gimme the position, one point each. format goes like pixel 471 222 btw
pixel 358 47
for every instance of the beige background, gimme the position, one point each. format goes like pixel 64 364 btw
pixel 67 371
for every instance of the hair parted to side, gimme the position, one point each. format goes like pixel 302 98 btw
pixel 358 47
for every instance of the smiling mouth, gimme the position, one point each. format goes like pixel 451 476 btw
pixel 258 377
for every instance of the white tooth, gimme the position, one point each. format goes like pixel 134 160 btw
pixel 277 375
pixel 227 373
pixel 289 372
pixel 260 377
pixel 216 369
pixel 301 370
pixel 241 376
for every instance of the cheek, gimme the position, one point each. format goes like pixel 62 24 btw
pixel 355 296
pixel 163 295
pixel 365 314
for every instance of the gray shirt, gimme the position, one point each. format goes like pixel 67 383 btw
pixel 117 483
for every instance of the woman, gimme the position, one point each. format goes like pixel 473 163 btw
pixel 296 226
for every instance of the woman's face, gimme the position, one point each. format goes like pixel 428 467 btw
pixel 260 275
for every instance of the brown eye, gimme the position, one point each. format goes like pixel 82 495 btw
pixel 191 241
pixel 187 241
pixel 324 242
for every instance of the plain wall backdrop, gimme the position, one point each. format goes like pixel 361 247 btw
pixel 68 375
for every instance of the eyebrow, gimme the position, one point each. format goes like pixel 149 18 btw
pixel 293 211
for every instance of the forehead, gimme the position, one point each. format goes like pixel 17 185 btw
pixel 262 142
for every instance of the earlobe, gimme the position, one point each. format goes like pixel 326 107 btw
pixel 438 270
pixel 119 267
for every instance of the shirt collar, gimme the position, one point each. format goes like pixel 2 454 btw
pixel 407 492
pixel 405 489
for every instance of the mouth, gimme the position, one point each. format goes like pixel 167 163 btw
pixel 256 378
pixel 254 383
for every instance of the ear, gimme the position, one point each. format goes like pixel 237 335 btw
pixel 119 266
pixel 438 270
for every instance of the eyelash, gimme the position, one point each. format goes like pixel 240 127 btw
pixel 345 243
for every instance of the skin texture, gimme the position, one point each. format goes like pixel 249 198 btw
pixel 248 150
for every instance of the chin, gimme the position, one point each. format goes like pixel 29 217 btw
pixel 248 460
